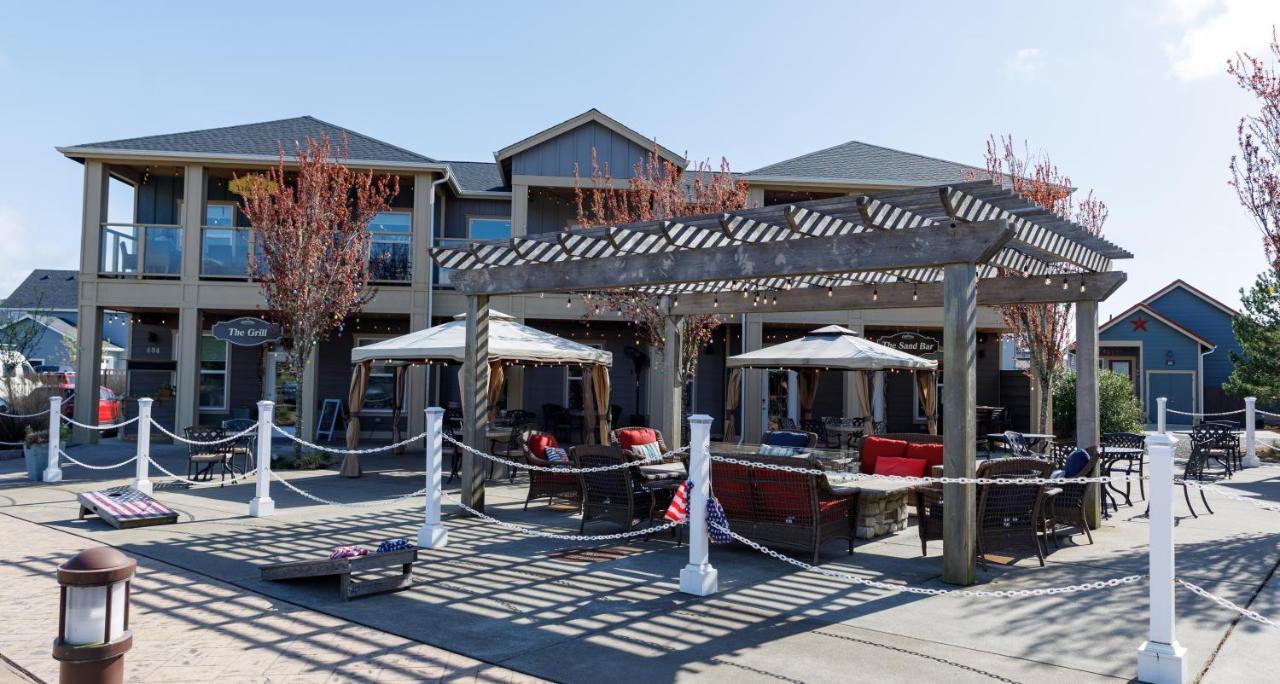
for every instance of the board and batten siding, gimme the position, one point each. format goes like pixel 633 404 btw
pixel 1209 322
pixel 457 210
pixel 157 200
pixel 557 156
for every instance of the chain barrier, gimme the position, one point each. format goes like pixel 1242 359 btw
pixel 100 427
pixel 563 537
pixel 13 443
pixel 1218 491
pixel 1252 615
pixel 334 450
pixel 23 415
pixel 96 467
pixel 554 469
pixel 195 483
pixel 1266 413
pixel 184 440
pixel 1206 415
pixel 969 593
pixel 853 477
pixel 357 504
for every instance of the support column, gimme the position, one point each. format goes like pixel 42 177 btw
pixel 519 210
pixel 475 399
pixel 849 399
pixel 88 372
pixel 672 385
pixel 188 380
pixel 420 278
pixel 416 382
pixel 753 395
pixel 959 395
pixel 1250 433
pixel 309 394
pixel 94 213
pixel 1087 433
pixel 193 193
pixel 877 401
pixel 1161 659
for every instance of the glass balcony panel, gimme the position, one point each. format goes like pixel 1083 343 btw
pixel 225 252
pixel 119 244
pixel 163 251
pixel 390 258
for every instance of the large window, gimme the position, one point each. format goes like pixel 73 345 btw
pixel 389 253
pixel 214 356
pixel 381 394
pixel 484 228
pixel 222 215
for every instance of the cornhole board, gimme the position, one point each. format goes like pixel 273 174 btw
pixel 125 507
pixel 344 568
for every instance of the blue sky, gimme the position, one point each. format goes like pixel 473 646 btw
pixel 1130 99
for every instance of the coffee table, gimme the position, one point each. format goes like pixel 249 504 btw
pixel 882 504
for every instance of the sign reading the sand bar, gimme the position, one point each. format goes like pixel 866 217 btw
pixel 911 343
pixel 246 331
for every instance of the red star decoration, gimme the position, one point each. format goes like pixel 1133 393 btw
pixel 1139 323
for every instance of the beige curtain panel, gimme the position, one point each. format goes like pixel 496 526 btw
pixel 355 404
pixel 862 390
pixel 808 381
pixel 589 407
pixel 928 399
pixel 600 388
pixel 732 400
pixel 497 382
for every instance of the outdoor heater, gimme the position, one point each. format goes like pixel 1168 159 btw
pixel 93 617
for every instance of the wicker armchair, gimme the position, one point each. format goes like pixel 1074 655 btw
pixel 928 498
pixel 207 454
pixel 1067 507
pixel 781 509
pixel 615 437
pixel 566 486
pixel 1010 515
pixel 616 496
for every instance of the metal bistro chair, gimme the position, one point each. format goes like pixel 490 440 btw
pixel 243 446
pixel 557 420
pixel 1212 441
pixel 1133 463
pixel 207 454
pixel 1016 444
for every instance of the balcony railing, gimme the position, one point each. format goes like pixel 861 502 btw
pixel 142 250
pixel 224 252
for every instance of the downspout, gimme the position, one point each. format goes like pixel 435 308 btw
pixel 431 268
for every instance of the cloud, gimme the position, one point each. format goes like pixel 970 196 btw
pixel 1213 31
pixel 26 248
pixel 1024 62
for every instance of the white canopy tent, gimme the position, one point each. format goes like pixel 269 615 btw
pixel 836 348
pixel 510 343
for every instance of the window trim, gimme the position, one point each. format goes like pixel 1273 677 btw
pixel 409 234
pixel 225 373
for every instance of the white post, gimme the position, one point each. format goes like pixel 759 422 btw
pixel 53 472
pixel 877 402
pixel 1160 421
pixel 1250 439
pixel 432 534
pixel 1161 659
pixel 141 481
pixel 262 505
pixel 698 577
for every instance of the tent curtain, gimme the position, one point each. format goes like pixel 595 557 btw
pixel 928 399
pixel 862 391
pixel 497 381
pixel 398 404
pixel 589 408
pixel 355 404
pixel 732 400
pixel 808 389
pixel 600 388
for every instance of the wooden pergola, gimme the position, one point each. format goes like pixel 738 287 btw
pixel 955 246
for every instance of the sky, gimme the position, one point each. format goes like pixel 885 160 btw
pixel 1130 99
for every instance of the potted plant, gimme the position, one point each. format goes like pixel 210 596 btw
pixel 35 449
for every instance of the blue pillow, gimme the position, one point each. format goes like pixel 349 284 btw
pixel 789 439
pixel 775 450
pixel 1076 463
pixel 556 455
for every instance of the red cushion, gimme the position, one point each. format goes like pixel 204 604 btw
pixel 931 454
pixel 874 448
pixel 904 467
pixel 629 437
pixel 538 443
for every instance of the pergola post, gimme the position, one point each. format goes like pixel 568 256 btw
pixel 959 395
pixel 672 384
pixel 754 381
pixel 1087 419
pixel 475 398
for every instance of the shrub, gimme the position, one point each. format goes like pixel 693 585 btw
pixel 1118 407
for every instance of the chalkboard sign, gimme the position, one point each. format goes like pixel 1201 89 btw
pixel 246 331
pixel 328 418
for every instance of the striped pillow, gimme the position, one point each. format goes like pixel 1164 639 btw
pixel 775 450
pixel 649 453
pixel 556 454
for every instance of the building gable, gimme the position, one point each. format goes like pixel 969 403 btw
pixel 1165 344
pixel 553 152
pixel 1205 316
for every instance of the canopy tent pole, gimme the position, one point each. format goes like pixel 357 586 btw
pixel 1087 419
pixel 475 398
pixel 960 351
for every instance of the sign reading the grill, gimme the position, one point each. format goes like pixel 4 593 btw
pixel 911 343
pixel 246 331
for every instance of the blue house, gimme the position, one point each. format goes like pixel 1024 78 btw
pixel 1177 344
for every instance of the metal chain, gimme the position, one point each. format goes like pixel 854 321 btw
pixel 100 427
pixel 551 469
pixel 1206 415
pixel 1264 505
pixel 234 478
pixel 23 415
pixel 357 504
pixel 95 467
pixel 564 537
pixel 851 477
pixel 1267 413
pixel 333 450
pixel 184 440
pixel 1010 593
pixel 13 443
pixel 1252 615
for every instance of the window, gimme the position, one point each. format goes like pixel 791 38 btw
pixel 214 356
pixel 573 382
pixel 480 228
pixel 389 253
pixel 220 215
pixel 381 393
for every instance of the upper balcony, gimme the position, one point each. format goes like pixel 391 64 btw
pixel 140 250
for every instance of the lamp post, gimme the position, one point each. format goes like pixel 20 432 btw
pixel 93 617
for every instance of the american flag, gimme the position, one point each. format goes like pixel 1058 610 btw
pixel 717 523
pixel 126 503
pixel 679 507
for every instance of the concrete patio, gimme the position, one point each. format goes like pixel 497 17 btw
pixel 570 612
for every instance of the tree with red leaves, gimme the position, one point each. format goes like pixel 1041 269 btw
pixel 1255 172
pixel 1042 329
pixel 658 189
pixel 312 245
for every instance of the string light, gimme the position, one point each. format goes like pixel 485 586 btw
pixel 542 295
pixel 1082 287
pixel 1064 282
pixel 675 301
pixel 875 293
pixel 915 296
pixel 829 291
pixel 715 302
pixel 1048 280
pixel 568 302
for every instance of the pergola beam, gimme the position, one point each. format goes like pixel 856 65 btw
pixel 991 292
pixel 875 251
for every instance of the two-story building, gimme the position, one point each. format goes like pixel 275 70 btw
pixel 182 265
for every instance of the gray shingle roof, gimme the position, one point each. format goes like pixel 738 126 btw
pixel 478 176
pixel 45 289
pixel 858 162
pixel 265 139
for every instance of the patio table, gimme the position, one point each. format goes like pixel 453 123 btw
pixel 1110 456
pixel 847 433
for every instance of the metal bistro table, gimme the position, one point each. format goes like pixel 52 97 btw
pixel 1110 456
pixel 1033 439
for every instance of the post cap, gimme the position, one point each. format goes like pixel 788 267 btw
pixel 1160 439
pixel 98 566
pixel 265 403
pixel 435 410
pixel 700 418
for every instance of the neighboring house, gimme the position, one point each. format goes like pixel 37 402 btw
pixel 54 339
pixel 181 265
pixel 1177 343
pixel 53 292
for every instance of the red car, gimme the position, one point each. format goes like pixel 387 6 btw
pixel 110 407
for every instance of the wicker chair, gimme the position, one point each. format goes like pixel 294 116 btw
pixel 929 514
pixel 206 454
pixel 616 496
pixel 615 438
pixel 781 509
pixel 1067 507
pixel 566 486
pixel 1010 515
pixel 1133 463
pixel 1059 450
